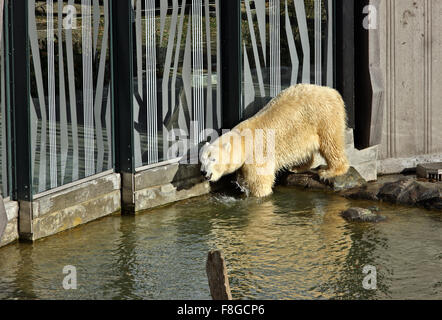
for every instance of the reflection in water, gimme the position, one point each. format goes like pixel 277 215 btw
pixel 292 245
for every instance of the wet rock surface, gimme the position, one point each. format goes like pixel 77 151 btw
pixel 367 192
pixel 311 180
pixel 352 179
pixel 362 215
pixel 397 189
pixel 391 191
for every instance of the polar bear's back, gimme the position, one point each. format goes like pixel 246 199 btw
pixel 298 116
pixel 301 104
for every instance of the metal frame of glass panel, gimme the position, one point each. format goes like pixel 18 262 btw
pixel 5 152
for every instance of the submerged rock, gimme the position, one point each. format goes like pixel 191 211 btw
pixel 361 215
pixel 368 192
pixel 374 209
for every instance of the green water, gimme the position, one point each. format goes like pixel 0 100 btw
pixel 293 245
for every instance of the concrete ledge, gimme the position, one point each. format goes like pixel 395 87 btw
pixel 157 196
pixel 165 174
pixel 69 208
pixel 75 195
pixel 400 165
pixel 11 232
pixel 162 185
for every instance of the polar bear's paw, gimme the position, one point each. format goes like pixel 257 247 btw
pixel 328 173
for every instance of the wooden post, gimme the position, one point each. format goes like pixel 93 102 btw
pixel 3 218
pixel 218 278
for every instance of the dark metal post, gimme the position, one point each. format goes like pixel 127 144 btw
pixel 345 55
pixel 363 90
pixel 20 97
pixel 122 76
pixel 231 62
pixel 122 85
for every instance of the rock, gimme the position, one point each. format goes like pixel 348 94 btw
pixel 368 192
pixel 433 204
pixel 417 193
pixel 391 190
pixel 362 215
pixel 352 179
pixel 308 180
pixel 374 209
pixel 413 193
pixel 296 180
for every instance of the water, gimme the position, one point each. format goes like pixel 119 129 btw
pixel 293 245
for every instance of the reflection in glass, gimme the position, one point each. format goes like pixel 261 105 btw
pixel 70 91
pixel 176 76
pixel 284 42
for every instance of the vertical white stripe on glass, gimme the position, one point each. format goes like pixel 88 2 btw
pixel 88 91
pixel 51 94
pixel 198 76
pixel 151 83
pixel 318 42
pixel 275 47
pixel 330 45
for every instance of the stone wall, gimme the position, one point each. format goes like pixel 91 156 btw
pixel 407 48
pixel 11 231
pixel 161 185
pixel 63 210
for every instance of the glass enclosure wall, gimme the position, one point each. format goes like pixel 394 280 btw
pixel 176 76
pixel 284 42
pixel 4 190
pixel 70 91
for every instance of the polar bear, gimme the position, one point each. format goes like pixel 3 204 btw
pixel 301 121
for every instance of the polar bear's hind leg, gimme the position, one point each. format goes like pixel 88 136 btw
pixel 332 149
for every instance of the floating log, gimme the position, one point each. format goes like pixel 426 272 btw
pixel 218 278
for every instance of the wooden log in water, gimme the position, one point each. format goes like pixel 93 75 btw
pixel 217 274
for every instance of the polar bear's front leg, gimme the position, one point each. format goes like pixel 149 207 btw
pixel 259 185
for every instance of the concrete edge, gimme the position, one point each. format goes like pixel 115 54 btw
pixel 11 233
pixel 399 165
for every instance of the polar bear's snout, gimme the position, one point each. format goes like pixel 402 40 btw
pixel 206 174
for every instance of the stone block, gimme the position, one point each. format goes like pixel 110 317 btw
pixel 168 193
pixel 74 216
pixel 11 232
pixel 70 207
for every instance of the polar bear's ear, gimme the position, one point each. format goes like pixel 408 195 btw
pixel 227 146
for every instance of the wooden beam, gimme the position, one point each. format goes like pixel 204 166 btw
pixel 218 278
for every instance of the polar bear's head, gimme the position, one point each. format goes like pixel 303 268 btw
pixel 222 157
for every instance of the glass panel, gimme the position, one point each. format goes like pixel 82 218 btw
pixel 70 91
pixel 3 119
pixel 176 76
pixel 284 42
